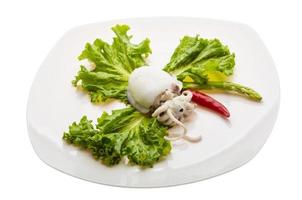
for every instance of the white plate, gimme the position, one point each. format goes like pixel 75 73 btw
pixel 53 104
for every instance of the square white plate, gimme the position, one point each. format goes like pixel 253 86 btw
pixel 54 104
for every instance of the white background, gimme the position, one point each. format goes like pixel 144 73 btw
pixel 29 29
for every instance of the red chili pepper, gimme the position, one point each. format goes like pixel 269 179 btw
pixel 209 102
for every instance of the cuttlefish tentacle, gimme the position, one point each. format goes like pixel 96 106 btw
pixel 184 134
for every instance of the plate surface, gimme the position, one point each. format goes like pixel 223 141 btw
pixel 227 144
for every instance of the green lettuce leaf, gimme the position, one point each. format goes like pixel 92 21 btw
pixel 112 64
pixel 196 61
pixel 124 132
